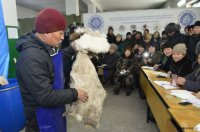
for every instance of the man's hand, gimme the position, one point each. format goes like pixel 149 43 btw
pixel 82 95
pixel 181 81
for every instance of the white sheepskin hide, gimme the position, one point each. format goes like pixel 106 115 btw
pixel 84 76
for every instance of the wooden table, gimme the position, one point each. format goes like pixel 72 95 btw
pixel 186 119
pixel 160 100
pixel 147 78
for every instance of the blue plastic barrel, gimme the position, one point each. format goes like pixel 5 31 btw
pixel 12 117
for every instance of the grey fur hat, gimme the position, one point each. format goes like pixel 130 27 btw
pixel 197 23
pixel 172 27
pixel 197 51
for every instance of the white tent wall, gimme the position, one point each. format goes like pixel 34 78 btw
pixel 23 12
pixel 10 12
pixel 154 19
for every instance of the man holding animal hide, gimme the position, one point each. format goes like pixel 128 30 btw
pixel 36 70
pixel 84 76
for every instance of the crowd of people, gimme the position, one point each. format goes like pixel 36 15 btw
pixel 172 51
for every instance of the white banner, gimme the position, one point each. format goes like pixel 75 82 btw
pixel 154 20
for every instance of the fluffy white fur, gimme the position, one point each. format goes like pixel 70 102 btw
pixel 92 41
pixel 84 76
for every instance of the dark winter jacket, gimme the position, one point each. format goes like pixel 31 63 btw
pixel 125 64
pixel 128 43
pixel 177 38
pixel 157 42
pixel 111 38
pixel 110 61
pixel 120 46
pixel 68 58
pixel 138 57
pixel 35 74
pixel 165 62
pixel 66 42
pixel 139 42
pixel 191 46
pixel 182 67
pixel 193 80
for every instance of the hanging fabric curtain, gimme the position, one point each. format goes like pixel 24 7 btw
pixel 4 49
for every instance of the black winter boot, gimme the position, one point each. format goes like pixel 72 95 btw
pixel 129 89
pixel 116 90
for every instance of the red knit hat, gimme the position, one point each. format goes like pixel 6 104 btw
pixel 49 20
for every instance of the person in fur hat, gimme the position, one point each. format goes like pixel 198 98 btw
pixel 174 35
pixel 166 58
pixel 128 42
pixel 110 61
pixel 191 82
pixel 110 35
pixel 138 40
pixel 193 40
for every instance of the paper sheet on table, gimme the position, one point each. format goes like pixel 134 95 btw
pixel 187 96
pixel 165 84
pixel 148 67
pixel 197 127
pixel 195 101
pixel 161 74
pixel 183 94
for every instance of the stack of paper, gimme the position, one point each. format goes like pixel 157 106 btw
pixel 187 96
pixel 148 67
pixel 165 84
pixel 183 94
pixel 161 74
pixel 195 101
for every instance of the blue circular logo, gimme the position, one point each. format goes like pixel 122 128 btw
pixel 96 22
pixel 187 18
